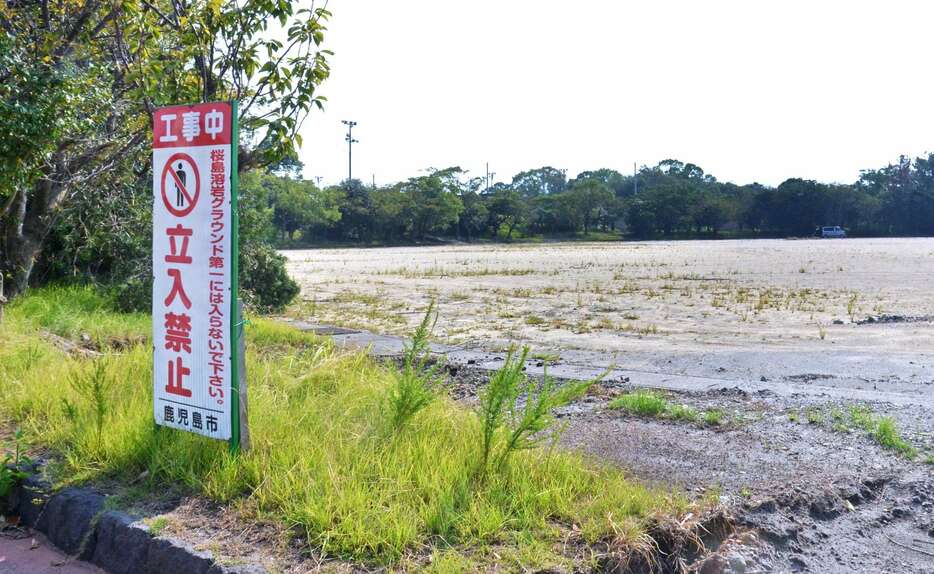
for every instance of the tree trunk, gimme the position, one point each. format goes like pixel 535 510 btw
pixel 27 225
pixel 2 299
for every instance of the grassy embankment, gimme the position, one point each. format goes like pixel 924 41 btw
pixel 326 459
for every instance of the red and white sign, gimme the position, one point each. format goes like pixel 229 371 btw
pixel 191 249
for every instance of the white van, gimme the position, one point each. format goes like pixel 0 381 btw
pixel 835 231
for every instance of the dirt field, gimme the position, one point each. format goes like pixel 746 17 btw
pixel 800 347
pixel 748 309
pixel 619 296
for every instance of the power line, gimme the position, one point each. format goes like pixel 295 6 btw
pixel 350 141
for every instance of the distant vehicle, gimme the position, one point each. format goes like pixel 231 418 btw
pixel 832 232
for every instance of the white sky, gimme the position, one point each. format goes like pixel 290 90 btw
pixel 749 90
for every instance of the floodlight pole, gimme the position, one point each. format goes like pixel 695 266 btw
pixel 635 179
pixel 350 141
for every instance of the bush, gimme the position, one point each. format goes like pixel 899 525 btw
pixel 265 284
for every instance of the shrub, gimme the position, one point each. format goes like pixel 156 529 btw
pixel 266 285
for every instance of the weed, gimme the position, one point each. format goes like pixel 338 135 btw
pixel 683 413
pixel 94 385
pixel 793 416
pixel 654 405
pixel 12 465
pixel 414 388
pixel 714 417
pixel 929 459
pixel 534 320
pixel 886 433
pixel 861 416
pixel 883 430
pixel 460 296
pixel 516 404
pixel 814 416
pixel 851 306
pixel 157 525
pixel 547 358
pixel 642 403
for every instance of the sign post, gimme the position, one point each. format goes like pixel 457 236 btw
pixel 195 308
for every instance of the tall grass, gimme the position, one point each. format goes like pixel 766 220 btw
pixel 321 461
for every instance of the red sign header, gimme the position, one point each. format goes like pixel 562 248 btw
pixel 198 125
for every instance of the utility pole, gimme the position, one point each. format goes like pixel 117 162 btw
pixel 318 179
pixel 488 176
pixel 635 180
pixel 374 180
pixel 350 141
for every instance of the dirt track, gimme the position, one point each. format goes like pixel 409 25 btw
pixel 819 493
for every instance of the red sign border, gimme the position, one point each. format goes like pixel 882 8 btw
pixel 194 168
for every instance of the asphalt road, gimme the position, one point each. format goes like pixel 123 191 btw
pixel 23 556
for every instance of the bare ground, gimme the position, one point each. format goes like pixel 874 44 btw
pixel 785 337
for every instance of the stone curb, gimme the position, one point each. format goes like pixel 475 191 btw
pixel 77 521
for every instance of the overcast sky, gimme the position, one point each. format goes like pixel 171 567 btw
pixel 749 90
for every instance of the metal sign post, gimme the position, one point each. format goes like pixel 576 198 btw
pixel 197 324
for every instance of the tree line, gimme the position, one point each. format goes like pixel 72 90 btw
pixel 671 199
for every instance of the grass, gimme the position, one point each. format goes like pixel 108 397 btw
pixel 881 429
pixel 325 459
pixel 157 525
pixel 642 403
pixel 652 404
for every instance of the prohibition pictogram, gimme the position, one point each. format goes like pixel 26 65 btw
pixel 175 174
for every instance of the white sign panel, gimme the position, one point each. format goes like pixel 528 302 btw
pixel 192 263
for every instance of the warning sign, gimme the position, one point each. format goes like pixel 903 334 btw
pixel 181 175
pixel 193 266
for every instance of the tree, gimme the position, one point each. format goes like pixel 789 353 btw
pixel 435 203
pixel 79 82
pixel 473 219
pixel 506 208
pixel 357 211
pixel 542 181
pixel 711 211
pixel 589 201
pixel 392 213
pixel 296 205
pixel 619 184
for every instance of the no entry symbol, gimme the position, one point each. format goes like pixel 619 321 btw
pixel 181 184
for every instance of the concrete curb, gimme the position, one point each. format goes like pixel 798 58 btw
pixel 77 521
